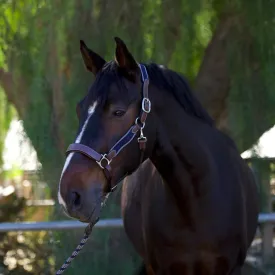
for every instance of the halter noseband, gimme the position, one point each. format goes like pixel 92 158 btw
pixel 104 160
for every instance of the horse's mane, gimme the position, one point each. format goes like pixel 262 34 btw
pixel 175 83
pixel 161 77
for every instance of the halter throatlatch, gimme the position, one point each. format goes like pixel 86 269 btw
pixel 104 160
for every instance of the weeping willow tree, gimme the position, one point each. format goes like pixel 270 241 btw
pixel 224 47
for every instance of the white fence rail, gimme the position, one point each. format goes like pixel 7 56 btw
pixel 266 222
pixel 267 218
pixel 264 218
pixel 57 225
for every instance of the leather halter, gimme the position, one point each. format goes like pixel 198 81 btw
pixel 104 160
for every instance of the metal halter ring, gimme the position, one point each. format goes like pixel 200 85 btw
pixel 146 103
pixel 139 123
pixel 104 157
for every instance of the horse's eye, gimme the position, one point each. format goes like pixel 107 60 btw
pixel 119 113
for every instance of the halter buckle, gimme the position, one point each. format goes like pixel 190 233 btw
pixel 104 157
pixel 146 105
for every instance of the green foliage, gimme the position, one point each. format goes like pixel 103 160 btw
pixel 251 59
pixel 13 173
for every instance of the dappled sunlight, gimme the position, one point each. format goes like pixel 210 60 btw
pixel 18 150
pixel 265 147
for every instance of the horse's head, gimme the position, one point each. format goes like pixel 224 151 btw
pixel 109 143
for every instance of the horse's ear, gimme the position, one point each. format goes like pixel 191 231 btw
pixel 92 61
pixel 124 58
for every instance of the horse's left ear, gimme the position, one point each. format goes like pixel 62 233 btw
pixel 92 60
pixel 124 58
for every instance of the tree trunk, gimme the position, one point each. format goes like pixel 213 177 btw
pixel 15 90
pixel 212 84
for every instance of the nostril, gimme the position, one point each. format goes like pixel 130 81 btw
pixel 76 199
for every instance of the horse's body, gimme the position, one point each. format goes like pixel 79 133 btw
pixel 224 217
pixel 196 213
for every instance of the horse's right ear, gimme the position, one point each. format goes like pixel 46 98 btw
pixel 92 61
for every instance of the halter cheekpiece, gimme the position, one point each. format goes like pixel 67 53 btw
pixel 104 160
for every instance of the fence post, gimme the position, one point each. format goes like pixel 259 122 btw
pixel 262 172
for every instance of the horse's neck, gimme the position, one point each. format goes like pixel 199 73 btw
pixel 177 178
pixel 181 139
pixel 177 153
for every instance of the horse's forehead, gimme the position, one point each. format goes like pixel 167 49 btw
pixel 106 88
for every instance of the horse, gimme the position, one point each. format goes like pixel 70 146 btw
pixel 189 201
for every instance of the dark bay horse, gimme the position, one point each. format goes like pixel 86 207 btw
pixel 191 203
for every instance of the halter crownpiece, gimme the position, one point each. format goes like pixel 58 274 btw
pixel 104 160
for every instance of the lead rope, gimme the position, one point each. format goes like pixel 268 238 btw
pixel 87 234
